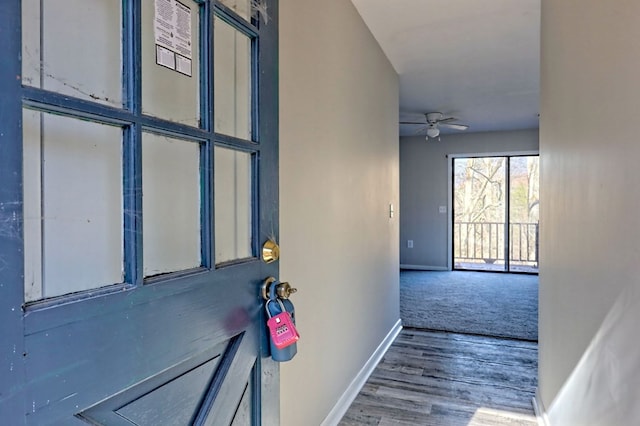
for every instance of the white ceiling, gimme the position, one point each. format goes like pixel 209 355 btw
pixel 476 60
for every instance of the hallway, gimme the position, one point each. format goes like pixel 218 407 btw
pixel 448 379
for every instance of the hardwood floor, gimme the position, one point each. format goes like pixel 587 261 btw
pixel 447 379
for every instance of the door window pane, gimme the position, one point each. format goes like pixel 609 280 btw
pixel 170 204
pixel 232 81
pixel 233 182
pixel 241 7
pixel 91 29
pixel 171 60
pixel 524 200
pixel 73 211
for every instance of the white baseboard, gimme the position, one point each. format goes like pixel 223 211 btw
pixel 424 268
pixel 541 412
pixel 343 404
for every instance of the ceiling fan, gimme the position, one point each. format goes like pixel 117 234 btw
pixel 435 120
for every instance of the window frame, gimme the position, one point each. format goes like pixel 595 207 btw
pixel 134 123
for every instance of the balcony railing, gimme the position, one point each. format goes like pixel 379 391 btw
pixel 484 242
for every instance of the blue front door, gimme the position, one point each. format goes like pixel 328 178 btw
pixel 138 181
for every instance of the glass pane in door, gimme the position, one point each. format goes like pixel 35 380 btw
pixel 479 213
pixel 233 196
pixel 171 60
pixel 232 81
pixel 523 213
pixel 171 204
pixel 73 47
pixel 73 205
pixel 241 7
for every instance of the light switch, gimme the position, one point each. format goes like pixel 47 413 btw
pixel 442 209
pixel 409 243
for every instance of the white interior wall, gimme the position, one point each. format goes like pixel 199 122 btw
pixel 589 240
pixel 424 187
pixel 338 174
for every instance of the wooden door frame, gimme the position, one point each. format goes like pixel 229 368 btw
pixel 12 402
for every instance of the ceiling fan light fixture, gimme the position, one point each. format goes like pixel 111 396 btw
pixel 433 132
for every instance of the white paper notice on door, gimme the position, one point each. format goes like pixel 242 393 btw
pixel 172 31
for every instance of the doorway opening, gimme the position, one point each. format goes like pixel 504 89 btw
pixel 496 213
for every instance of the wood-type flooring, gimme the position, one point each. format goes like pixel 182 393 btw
pixel 448 379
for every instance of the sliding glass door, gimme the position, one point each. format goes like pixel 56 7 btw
pixel 480 213
pixel 495 213
pixel 524 201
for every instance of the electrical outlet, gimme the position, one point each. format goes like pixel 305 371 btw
pixel 409 243
pixel 442 209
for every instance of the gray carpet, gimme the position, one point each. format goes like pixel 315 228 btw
pixel 491 304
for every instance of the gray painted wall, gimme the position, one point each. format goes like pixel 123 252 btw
pixel 590 238
pixel 424 187
pixel 338 173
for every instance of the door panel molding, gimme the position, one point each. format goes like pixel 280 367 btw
pixel 91 345
pixel 230 384
pixel 114 409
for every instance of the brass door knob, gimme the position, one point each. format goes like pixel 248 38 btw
pixel 284 290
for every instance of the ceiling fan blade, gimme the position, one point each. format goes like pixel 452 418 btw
pixel 420 130
pixel 412 122
pixel 446 120
pixel 455 126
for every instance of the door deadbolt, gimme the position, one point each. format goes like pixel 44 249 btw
pixel 270 251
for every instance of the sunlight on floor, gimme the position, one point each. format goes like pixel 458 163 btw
pixel 490 417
